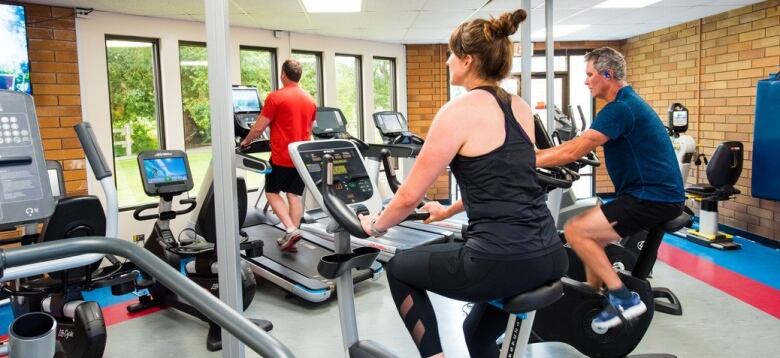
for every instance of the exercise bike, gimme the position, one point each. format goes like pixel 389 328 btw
pixel 166 173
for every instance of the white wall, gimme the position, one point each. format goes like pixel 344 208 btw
pixel 91 36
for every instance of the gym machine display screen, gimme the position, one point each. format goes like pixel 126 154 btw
pixel 246 100
pixel 391 123
pixel 165 172
pixel 352 184
pixel 328 122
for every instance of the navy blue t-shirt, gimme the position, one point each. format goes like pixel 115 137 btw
pixel 639 154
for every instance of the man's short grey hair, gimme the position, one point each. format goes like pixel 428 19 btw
pixel 607 58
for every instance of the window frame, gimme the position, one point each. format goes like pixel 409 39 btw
pixel 181 95
pixel 393 82
pixel 274 63
pixel 158 85
pixel 320 82
pixel 359 84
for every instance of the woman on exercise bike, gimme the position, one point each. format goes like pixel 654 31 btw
pixel 486 137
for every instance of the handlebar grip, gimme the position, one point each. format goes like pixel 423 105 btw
pixel 418 216
pixel 591 159
pixel 137 212
pixel 91 149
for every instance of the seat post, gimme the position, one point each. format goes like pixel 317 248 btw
pixel 646 260
pixel 518 331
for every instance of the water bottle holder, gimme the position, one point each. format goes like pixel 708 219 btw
pixel 333 266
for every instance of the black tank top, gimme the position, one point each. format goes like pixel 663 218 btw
pixel 508 217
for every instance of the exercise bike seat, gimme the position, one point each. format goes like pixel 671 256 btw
pixel 677 223
pixel 533 300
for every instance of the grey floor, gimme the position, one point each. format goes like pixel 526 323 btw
pixel 713 325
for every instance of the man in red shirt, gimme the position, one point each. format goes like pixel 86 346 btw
pixel 290 112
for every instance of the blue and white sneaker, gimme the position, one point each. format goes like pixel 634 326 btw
pixel 617 312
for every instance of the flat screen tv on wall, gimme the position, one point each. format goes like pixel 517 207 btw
pixel 14 61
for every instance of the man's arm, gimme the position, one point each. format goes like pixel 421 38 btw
pixel 257 129
pixel 570 151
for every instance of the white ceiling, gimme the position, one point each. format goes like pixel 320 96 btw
pixel 424 21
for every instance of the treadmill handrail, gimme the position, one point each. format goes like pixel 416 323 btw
pixel 210 306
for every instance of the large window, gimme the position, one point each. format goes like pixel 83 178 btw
pixel 136 116
pixel 384 84
pixel 311 79
pixel 383 70
pixel 196 111
pixel 348 92
pixel 258 69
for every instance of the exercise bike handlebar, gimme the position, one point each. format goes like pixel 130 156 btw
pixel 340 212
pixel 191 202
pixel 590 159
pixel 556 177
pixel 210 306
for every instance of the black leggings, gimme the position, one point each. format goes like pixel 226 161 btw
pixel 451 270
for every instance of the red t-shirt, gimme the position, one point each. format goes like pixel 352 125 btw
pixel 291 111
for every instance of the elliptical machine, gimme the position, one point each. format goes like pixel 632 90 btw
pixel 166 173
pixel 80 326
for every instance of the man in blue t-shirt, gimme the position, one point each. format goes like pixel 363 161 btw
pixel 641 163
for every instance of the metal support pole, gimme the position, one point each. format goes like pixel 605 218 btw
pixel 223 149
pixel 549 51
pixel 527 52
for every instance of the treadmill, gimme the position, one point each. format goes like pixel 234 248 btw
pixel 394 130
pixel 330 123
pixel 294 272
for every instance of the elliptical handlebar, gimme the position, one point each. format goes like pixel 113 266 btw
pixel 95 158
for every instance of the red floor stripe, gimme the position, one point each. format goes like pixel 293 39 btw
pixel 745 289
pixel 118 313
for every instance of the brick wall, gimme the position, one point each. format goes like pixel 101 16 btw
pixel 55 83
pixel 712 65
pixel 427 87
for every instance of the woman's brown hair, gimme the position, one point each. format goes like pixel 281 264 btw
pixel 488 42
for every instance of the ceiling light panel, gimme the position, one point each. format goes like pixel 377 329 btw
pixel 340 6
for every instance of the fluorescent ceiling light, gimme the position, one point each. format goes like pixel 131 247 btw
pixel 560 30
pixel 313 6
pixel 625 4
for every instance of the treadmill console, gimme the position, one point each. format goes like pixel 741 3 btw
pixel 165 172
pixel 246 108
pixel 391 124
pixel 25 192
pixel 329 122
pixel 351 181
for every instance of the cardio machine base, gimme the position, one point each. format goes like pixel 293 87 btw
pixel 720 240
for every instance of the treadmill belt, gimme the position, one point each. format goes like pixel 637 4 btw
pixel 304 261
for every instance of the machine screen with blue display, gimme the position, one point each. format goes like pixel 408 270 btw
pixel 166 170
pixel 246 100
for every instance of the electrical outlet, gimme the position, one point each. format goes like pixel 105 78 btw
pixel 138 238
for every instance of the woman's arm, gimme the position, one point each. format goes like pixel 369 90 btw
pixel 440 212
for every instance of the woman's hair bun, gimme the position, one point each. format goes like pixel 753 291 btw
pixel 505 25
